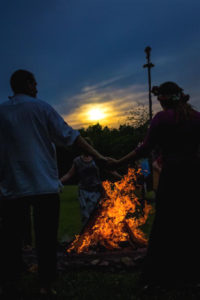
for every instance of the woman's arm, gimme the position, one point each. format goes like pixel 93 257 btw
pixel 144 149
pixel 131 156
pixel 68 175
pixel 125 159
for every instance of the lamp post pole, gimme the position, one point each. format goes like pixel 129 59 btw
pixel 149 65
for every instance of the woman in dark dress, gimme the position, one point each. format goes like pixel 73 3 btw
pixel 173 255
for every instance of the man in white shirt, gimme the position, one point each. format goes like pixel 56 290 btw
pixel 29 131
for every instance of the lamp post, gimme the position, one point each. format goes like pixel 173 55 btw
pixel 149 65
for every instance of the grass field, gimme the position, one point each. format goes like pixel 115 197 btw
pixel 70 221
pixel 83 284
pixel 90 284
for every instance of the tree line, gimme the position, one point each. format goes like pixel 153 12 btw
pixel 111 142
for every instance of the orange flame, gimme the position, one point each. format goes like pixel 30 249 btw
pixel 116 219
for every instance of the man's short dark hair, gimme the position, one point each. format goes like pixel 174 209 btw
pixel 19 81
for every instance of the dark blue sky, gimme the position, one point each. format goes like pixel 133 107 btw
pixel 90 53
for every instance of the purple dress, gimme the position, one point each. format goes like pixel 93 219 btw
pixel 173 254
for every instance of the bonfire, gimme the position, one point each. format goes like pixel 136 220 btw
pixel 117 218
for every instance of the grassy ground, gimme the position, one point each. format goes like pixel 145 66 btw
pixel 89 284
pixel 83 284
pixel 70 221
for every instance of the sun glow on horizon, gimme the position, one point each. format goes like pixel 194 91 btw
pixel 105 114
pixel 105 105
pixel 96 114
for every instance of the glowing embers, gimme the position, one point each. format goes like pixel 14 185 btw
pixel 116 220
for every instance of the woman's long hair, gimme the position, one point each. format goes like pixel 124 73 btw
pixel 171 96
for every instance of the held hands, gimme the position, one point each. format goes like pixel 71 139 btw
pixel 108 162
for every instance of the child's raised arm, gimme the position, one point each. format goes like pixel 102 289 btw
pixel 68 175
pixel 114 174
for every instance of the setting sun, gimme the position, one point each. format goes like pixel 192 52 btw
pixel 105 114
pixel 96 114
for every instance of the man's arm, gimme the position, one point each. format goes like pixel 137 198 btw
pixel 64 135
pixel 83 145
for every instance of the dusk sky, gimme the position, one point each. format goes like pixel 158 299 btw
pixel 88 55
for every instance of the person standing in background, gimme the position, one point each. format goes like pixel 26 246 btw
pixel 90 188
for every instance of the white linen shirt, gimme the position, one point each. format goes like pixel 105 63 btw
pixel 29 131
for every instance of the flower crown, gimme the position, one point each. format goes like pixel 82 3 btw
pixel 179 96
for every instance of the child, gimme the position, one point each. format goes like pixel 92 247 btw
pixel 90 189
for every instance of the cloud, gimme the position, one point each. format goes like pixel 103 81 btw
pixel 115 102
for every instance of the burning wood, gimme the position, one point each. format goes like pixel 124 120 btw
pixel 117 219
